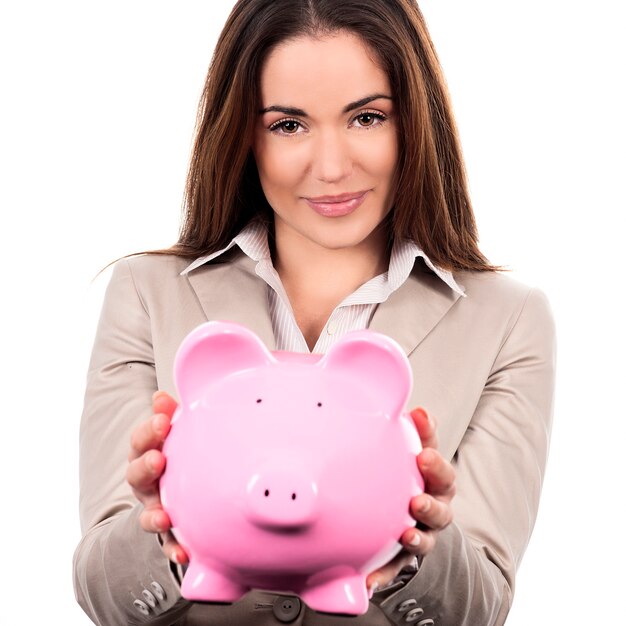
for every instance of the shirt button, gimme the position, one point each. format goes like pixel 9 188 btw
pixel 426 622
pixel 142 607
pixel 286 609
pixel 331 329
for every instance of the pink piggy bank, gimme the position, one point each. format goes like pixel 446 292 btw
pixel 289 471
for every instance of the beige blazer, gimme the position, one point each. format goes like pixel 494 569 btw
pixel 483 365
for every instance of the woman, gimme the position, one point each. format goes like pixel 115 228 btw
pixel 326 193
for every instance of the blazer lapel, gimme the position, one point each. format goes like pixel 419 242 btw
pixel 407 316
pixel 415 308
pixel 233 292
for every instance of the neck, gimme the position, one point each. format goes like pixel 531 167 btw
pixel 307 269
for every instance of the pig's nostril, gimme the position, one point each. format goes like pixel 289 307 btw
pixel 267 492
pixel 293 496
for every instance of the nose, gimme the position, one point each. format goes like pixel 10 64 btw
pixel 281 499
pixel 332 161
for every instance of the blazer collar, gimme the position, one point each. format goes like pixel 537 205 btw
pixel 234 292
pixel 415 308
pixel 231 291
pixel 253 240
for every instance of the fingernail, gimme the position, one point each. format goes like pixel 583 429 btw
pixel 423 413
pixel 415 540
pixel 425 505
pixel 371 590
pixel 174 557
pixel 426 457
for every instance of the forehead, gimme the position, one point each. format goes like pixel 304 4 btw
pixel 339 67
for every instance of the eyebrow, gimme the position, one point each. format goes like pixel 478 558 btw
pixel 357 104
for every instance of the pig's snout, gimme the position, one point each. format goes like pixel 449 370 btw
pixel 281 499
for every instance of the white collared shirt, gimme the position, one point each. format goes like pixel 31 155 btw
pixel 353 313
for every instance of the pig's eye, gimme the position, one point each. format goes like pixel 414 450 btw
pixel 319 404
pixel 259 400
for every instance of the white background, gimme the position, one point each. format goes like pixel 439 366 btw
pixel 98 106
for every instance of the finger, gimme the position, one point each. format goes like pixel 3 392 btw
pixel 426 427
pixel 419 542
pixel 143 473
pixel 388 572
pixel 439 475
pixel 433 513
pixel 162 402
pixel 173 550
pixel 148 435
pixel 154 519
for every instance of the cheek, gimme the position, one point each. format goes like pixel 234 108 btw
pixel 280 167
pixel 381 159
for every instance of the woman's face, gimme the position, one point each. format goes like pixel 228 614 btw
pixel 325 144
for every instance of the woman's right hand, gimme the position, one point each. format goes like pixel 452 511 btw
pixel 146 465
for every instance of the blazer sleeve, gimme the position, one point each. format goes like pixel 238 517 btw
pixel 120 573
pixel 469 577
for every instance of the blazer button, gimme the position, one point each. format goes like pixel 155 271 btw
pixel 406 605
pixel 149 598
pixel 414 614
pixel 157 590
pixel 286 608
pixel 142 607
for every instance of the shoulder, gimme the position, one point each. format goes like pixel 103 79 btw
pixel 147 270
pixel 492 295
pixel 491 285
pixel 147 267
pixel 150 276
pixel 483 288
pixel 497 299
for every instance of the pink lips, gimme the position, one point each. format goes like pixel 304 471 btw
pixel 337 206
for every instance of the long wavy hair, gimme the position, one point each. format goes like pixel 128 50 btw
pixel 223 192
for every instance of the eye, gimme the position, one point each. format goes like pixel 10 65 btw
pixel 369 119
pixel 285 127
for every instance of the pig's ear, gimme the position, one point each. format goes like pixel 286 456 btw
pixel 212 351
pixel 378 362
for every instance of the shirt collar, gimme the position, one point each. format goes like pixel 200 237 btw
pixel 252 240
pixel 403 256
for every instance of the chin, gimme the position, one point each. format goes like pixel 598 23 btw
pixel 337 237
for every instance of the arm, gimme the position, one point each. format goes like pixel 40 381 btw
pixel 116 561
pixel 469 576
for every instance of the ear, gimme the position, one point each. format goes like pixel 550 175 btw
pixel 212 351
pixel 379 362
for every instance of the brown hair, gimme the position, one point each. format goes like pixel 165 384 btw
pixel 223 192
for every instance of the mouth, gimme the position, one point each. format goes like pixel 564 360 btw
pixel 337 206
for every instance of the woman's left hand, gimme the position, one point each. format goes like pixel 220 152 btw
pixel 431 509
